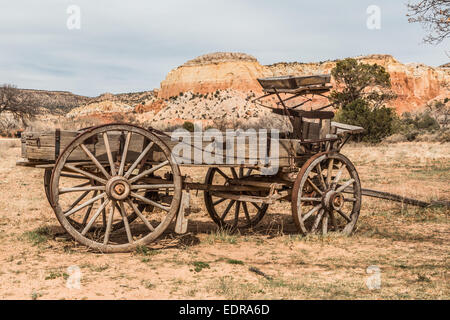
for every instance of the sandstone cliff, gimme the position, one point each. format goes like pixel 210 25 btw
pixel 212 72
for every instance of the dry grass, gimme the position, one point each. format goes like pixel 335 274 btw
pixel 409 245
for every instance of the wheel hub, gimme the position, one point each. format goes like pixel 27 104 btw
pixel 333 200
pixel 118 188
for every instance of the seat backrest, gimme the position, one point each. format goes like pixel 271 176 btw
pixel 315 130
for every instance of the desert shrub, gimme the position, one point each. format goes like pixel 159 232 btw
pixel 417 125
pixel 377 122
pixel 189 126
pixel 395 138
pixel 444 136
pixel 421 121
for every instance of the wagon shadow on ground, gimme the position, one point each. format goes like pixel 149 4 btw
pixel 273 225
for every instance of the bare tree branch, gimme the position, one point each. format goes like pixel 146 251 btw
pixel 434 15
pixel 20 104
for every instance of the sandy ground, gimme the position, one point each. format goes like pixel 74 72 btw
pixel 404 250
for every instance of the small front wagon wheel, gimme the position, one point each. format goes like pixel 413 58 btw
pixel 326 195
pixel 116 187
pixel 228 214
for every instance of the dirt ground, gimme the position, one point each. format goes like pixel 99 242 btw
pixel 405 248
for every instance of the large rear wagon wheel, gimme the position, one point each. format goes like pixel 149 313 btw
pixel 100 202
pixel 231 214
pixel 326 196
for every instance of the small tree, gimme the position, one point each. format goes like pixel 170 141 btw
pixel 361 81
pixel 364 90
pixel 189 126
pixel 17 102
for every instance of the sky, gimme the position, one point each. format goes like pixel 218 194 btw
pixel 128 46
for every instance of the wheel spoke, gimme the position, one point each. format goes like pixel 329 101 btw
pixel 223 174
pixel 317 221
pixel 311 212
pixel 247 216
pixel 343 215
pixel 125 222
pixel 233 172
pixel 311 199
pixel 95 161
pixel 148 201
pixel 140 215
pixel 345 185
pixel 333 221
pixel 319 172
pixel 313 185
pixel 103 214
pixel 339 174
pixel 227 209
pixel 82 185
pixel 79 189
pixel 88 212
pixel 149 171
pixel 256 206
pixel 330 171
pixel 84 205
pixel 73 176
pixel 141 156
pixel 215 203
pixel 125 153
pixel 152 186
pixel 109 224
pixel 84 173
pixel 237 210
pixel 94 217
pixel 78 200
pixel 108 152
pixel 325 224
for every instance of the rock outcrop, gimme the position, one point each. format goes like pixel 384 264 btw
pixel 102 107
pixel 212 72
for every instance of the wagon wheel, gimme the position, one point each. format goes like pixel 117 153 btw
pixel 122 180
pixel 326 195
pixel 232 214
pixel 115 226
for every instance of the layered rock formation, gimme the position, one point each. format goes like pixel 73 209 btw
pixel 114 103
pixel 212 72
pixel 102 107
pixel 56 101
pixel 415 84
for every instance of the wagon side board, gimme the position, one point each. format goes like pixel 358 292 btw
pixel 41 147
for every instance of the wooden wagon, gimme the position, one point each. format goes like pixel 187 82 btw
pixel 118 186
